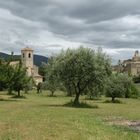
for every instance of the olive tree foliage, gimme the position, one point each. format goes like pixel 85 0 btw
pixel 130 89
pixel 52 82
pixel 6 75
pixel 114 87
pixel 13 77
pixel 120 85
pixel 43 70
pixel 3 77
pixel 80 69
pixel 95 91
pixel 127 83
pixel 20 80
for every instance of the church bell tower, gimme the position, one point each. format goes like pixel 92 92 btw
pixel 27 59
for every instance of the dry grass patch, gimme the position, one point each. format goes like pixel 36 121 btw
pixel 118 121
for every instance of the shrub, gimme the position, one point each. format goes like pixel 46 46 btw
pixel 120 85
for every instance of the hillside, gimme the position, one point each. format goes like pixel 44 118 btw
pixel 38 59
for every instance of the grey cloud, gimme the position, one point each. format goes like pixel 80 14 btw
pixel 103 23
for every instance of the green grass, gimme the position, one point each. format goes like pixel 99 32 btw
pixel 40 117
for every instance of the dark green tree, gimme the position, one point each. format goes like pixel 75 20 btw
pixel 39 87
pixel 20 79
pixel 2 75
pixel 43 70
pixel 6 74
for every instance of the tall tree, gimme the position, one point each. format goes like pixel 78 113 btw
pixel 81 68
pixel 13 77
pixel 2 75
pixel 51 76
pixel 20 79
pixel 6 74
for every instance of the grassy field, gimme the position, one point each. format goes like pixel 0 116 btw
pixel 40 117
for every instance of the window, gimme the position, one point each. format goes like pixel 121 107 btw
pixel 23 55
pixel 29 55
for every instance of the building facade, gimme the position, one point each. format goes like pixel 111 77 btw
pixel 130 66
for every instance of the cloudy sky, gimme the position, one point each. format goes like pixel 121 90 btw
pixel 50 25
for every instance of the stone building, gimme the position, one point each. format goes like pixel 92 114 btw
pixel 130 66
pixel 28 63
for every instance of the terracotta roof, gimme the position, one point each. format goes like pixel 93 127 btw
pixel 27 49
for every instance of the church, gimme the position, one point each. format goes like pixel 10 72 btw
pixel 28 63
pixel 130 66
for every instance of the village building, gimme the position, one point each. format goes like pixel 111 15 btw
pixel 130 66
pixel 28 63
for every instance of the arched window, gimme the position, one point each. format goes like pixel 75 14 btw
pixel 23 55
pixel 29 55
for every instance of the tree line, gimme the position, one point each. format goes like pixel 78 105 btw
pixel 81 71
pixel 84 71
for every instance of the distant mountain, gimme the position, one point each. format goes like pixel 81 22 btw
pixel 4 55
pixel 38 59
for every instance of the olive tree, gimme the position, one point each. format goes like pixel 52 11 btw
pixel 43 70
pixel 95 91
pixel 51 76
pixel 115 87
pixel 81 68
pixel 120 85
pixel 130 88
pixel 3 78
pixel 20 80
pixel 6 75
pixel 13 77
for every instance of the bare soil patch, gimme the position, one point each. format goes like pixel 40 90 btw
pixel 118 121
